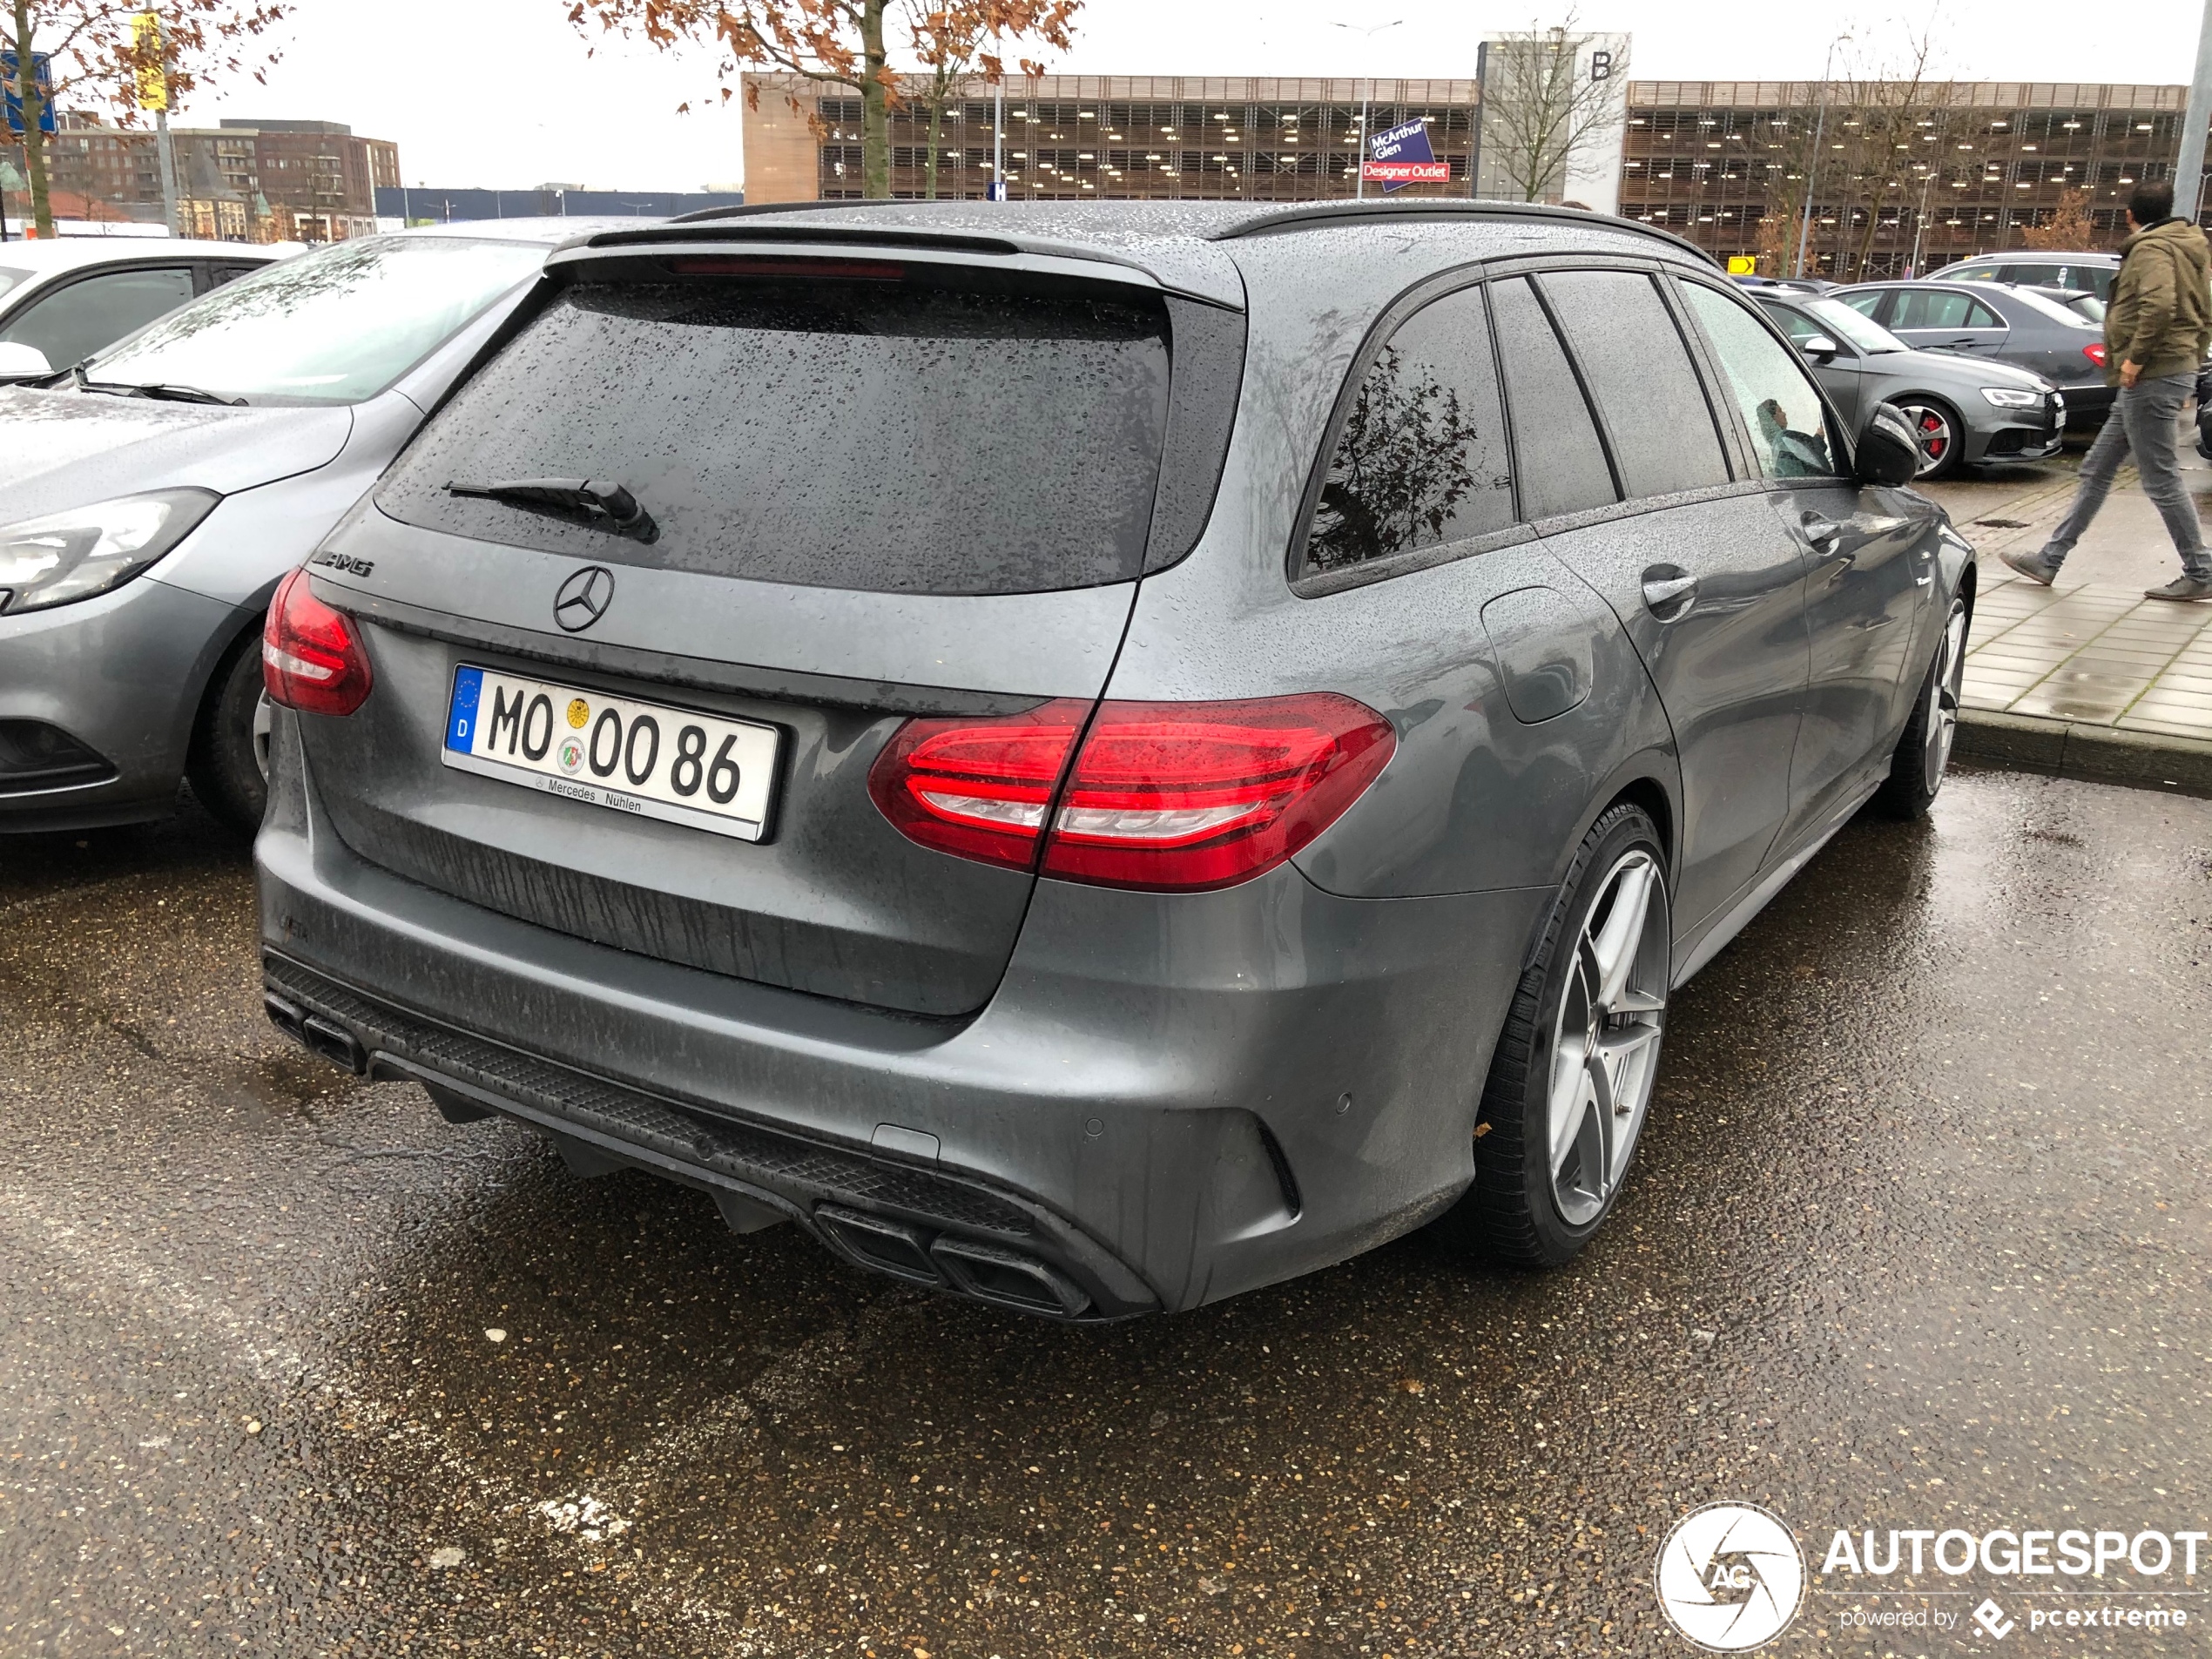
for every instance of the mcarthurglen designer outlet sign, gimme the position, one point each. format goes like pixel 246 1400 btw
pixel 1401 156
pixel 1732 1577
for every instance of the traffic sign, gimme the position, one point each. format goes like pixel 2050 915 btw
pixel 1743 265
pixel 42 67
pixel 1401 156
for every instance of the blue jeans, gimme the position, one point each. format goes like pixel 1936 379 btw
pixel 2142 423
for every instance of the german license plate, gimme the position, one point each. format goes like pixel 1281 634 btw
pixel 646 758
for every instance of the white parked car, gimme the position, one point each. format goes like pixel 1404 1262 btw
pixel 61 301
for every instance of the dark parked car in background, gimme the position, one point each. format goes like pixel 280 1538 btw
pixel 1965 411
pixel 2001 324
pixel 2027 267
pixel 1094 757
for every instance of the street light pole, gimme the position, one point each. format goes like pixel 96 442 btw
pixel 1360 177
pixel 998 127
pixel 2188 172
pixel 1812 164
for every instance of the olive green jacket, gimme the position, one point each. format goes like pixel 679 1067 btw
pixel 2160 315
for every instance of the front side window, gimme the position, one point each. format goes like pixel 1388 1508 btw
pixel 332 327
pixel 70 323
pixel 889 436
pixel 1422 459
pixel 1780 408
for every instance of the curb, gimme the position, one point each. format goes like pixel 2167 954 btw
pixel 2092 753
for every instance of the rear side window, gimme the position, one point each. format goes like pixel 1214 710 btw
pixel 1422 459
pixel 1563 464
pixel 1932 309
pixel 881 435
pixel 1780 408
pixel 1868 305
pixel 1640 372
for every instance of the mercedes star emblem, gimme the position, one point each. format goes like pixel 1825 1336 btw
pixel 583 598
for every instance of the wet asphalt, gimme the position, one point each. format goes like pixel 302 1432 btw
pixel 1918 1238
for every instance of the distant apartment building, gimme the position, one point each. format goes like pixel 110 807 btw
pixel 1901 176
pixel 238 181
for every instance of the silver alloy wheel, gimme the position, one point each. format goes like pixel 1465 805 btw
pixel 264 718
pixel 1605 1048
pixel 1943 704
pixel 1933 430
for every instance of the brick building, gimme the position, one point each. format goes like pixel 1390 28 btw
pixel 1146 138
pixel 238 181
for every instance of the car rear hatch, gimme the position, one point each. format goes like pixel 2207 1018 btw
pixel 869 485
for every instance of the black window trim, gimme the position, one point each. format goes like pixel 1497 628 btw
pixel 1736 447
pixel 1314 584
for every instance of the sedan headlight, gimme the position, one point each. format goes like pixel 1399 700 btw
pixel 2007 397
pixel 75 555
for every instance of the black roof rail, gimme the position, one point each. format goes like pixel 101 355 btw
pixel 1319 215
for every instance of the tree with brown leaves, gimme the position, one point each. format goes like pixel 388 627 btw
pixel 94 51
pixel 840 42
pixel 2070 229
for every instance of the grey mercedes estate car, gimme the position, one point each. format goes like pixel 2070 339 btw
pixel 1094 757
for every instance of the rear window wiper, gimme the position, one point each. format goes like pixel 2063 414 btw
pixel 162 391
pixel 597 502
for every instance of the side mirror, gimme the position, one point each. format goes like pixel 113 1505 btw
pixel 19 362
pixel 1888 452
pixel 1820 347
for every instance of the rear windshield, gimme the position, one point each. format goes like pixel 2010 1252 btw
pixel 868 434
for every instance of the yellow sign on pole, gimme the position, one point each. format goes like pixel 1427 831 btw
pixel 1743 265
pixel 154 72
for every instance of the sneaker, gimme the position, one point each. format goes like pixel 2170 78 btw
pixel 2183 587
pixel 2034 566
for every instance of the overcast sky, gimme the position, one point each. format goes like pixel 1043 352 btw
pixel 501 93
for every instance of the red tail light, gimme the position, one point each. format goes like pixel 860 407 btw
pixel 311 659
pixel 1163 796
pixel 2095 353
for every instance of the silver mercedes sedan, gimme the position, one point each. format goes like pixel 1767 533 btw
pixel 151 499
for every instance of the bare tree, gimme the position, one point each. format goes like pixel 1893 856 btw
pixel 93 50
pixel 1541 113
pixel 835 42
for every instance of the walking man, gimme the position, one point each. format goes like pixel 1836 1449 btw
pixel 2156 329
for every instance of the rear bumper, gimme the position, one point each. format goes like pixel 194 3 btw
pixel 113 682
pixel 1167 1102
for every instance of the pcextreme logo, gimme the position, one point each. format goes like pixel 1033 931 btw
pixel 1731 1577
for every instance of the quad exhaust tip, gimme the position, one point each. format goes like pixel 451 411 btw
pixel 987 1272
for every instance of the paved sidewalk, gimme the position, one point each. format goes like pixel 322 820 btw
pixel 2087 677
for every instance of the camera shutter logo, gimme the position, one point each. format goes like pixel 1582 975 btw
pixel 583 598
pixel 1731 1577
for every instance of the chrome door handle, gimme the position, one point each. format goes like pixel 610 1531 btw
pixel 1669 597
pixel 1819 531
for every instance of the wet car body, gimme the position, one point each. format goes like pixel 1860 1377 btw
pixel 1038 1085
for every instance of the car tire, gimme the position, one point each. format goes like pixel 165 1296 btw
pixel 1934 421
pixel 1923 753
pixel 227 765
pixel 1541 1186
